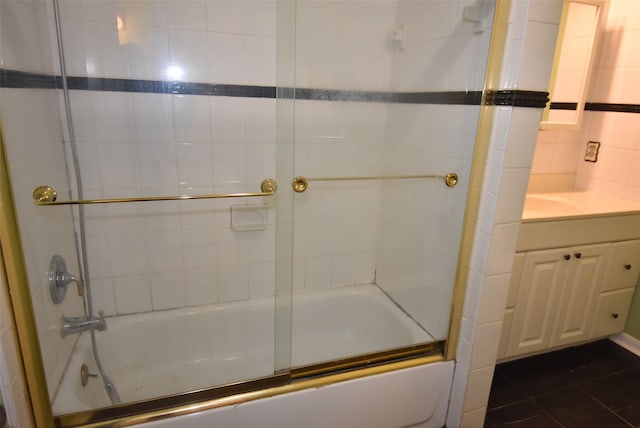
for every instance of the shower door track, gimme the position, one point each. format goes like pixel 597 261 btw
pixel 287 381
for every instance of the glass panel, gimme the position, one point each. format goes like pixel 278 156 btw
pixel 286 28
pixel 165 98
pixel 375 259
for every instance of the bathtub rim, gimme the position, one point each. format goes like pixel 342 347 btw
pixel 267 387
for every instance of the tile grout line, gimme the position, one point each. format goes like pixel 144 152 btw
pixel 612 411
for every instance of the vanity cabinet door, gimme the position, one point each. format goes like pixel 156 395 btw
pixel 624 266
pixel 543 274
pixel 584 278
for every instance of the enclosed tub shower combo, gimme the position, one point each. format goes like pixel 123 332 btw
pixel 226 201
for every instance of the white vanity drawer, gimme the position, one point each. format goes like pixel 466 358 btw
pixel 611 312
pixel 624 266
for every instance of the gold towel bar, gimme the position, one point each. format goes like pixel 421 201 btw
pixel 46 195
pixel 300 183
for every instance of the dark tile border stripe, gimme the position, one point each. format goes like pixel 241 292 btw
pixel 617 108
pixel 516 98
pixel 22 79
pixel 604 107
pixel 563 106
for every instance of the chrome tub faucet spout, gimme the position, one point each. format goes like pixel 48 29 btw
pixel 72 325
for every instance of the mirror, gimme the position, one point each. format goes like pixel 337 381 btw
pixel 577 39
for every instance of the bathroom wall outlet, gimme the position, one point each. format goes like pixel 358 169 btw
pixel 591 154
pixel 249 217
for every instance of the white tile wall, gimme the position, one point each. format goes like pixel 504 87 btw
pixel 615 173
pixel 24 38
pixel 438 39
pixel 325 59
pixel 614 80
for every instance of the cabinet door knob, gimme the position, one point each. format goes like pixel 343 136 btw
pixel 627 267
pixel 567 256
pixel 615 315
pixel 578 255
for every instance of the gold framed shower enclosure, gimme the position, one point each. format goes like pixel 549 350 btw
pixel 17 282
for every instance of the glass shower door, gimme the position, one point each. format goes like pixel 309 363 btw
pixel 170 107
pixel 169 132
pixel 386 108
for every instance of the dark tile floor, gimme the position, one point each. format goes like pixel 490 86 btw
pixel 594 385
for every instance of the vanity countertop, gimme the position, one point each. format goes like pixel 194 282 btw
pixel 573 205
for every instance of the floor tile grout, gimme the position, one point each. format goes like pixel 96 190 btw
pixel 612 411
pixel 600 363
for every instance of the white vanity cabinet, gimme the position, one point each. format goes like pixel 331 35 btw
pixel 570 294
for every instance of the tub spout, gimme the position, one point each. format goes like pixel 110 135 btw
pixel 72 325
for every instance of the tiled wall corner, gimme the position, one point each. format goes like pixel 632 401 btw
pixel 530 38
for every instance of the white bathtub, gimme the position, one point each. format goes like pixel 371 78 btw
pixel 161 353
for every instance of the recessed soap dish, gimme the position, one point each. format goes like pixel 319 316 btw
pixel 248 217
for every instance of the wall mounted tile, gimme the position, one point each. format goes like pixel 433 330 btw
pixel 513 187
pixel 473 418
pixel 148 51
pixel 233 283
pixel 548 11
pixel 262 280
pixel 20 45
pixel 260 60
pixel 165 251
pixel 478 387
pixel 201 286
pixel 227 120
pixel 225 17
pixel 153 114
pixel 199 248
pixel 523 131
pixel 226 58
pixel 486 340
pixel 229 166
pixel 502 248
pixel 146 13
pixel 195 165
pixel 132 293
pixel 168 290
pixel 538 48
pixel 118 165
pixel 187 15
pixel 103 295
pixel 493 298
pixel 128 254
pixel 259 18
pixel 186 58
